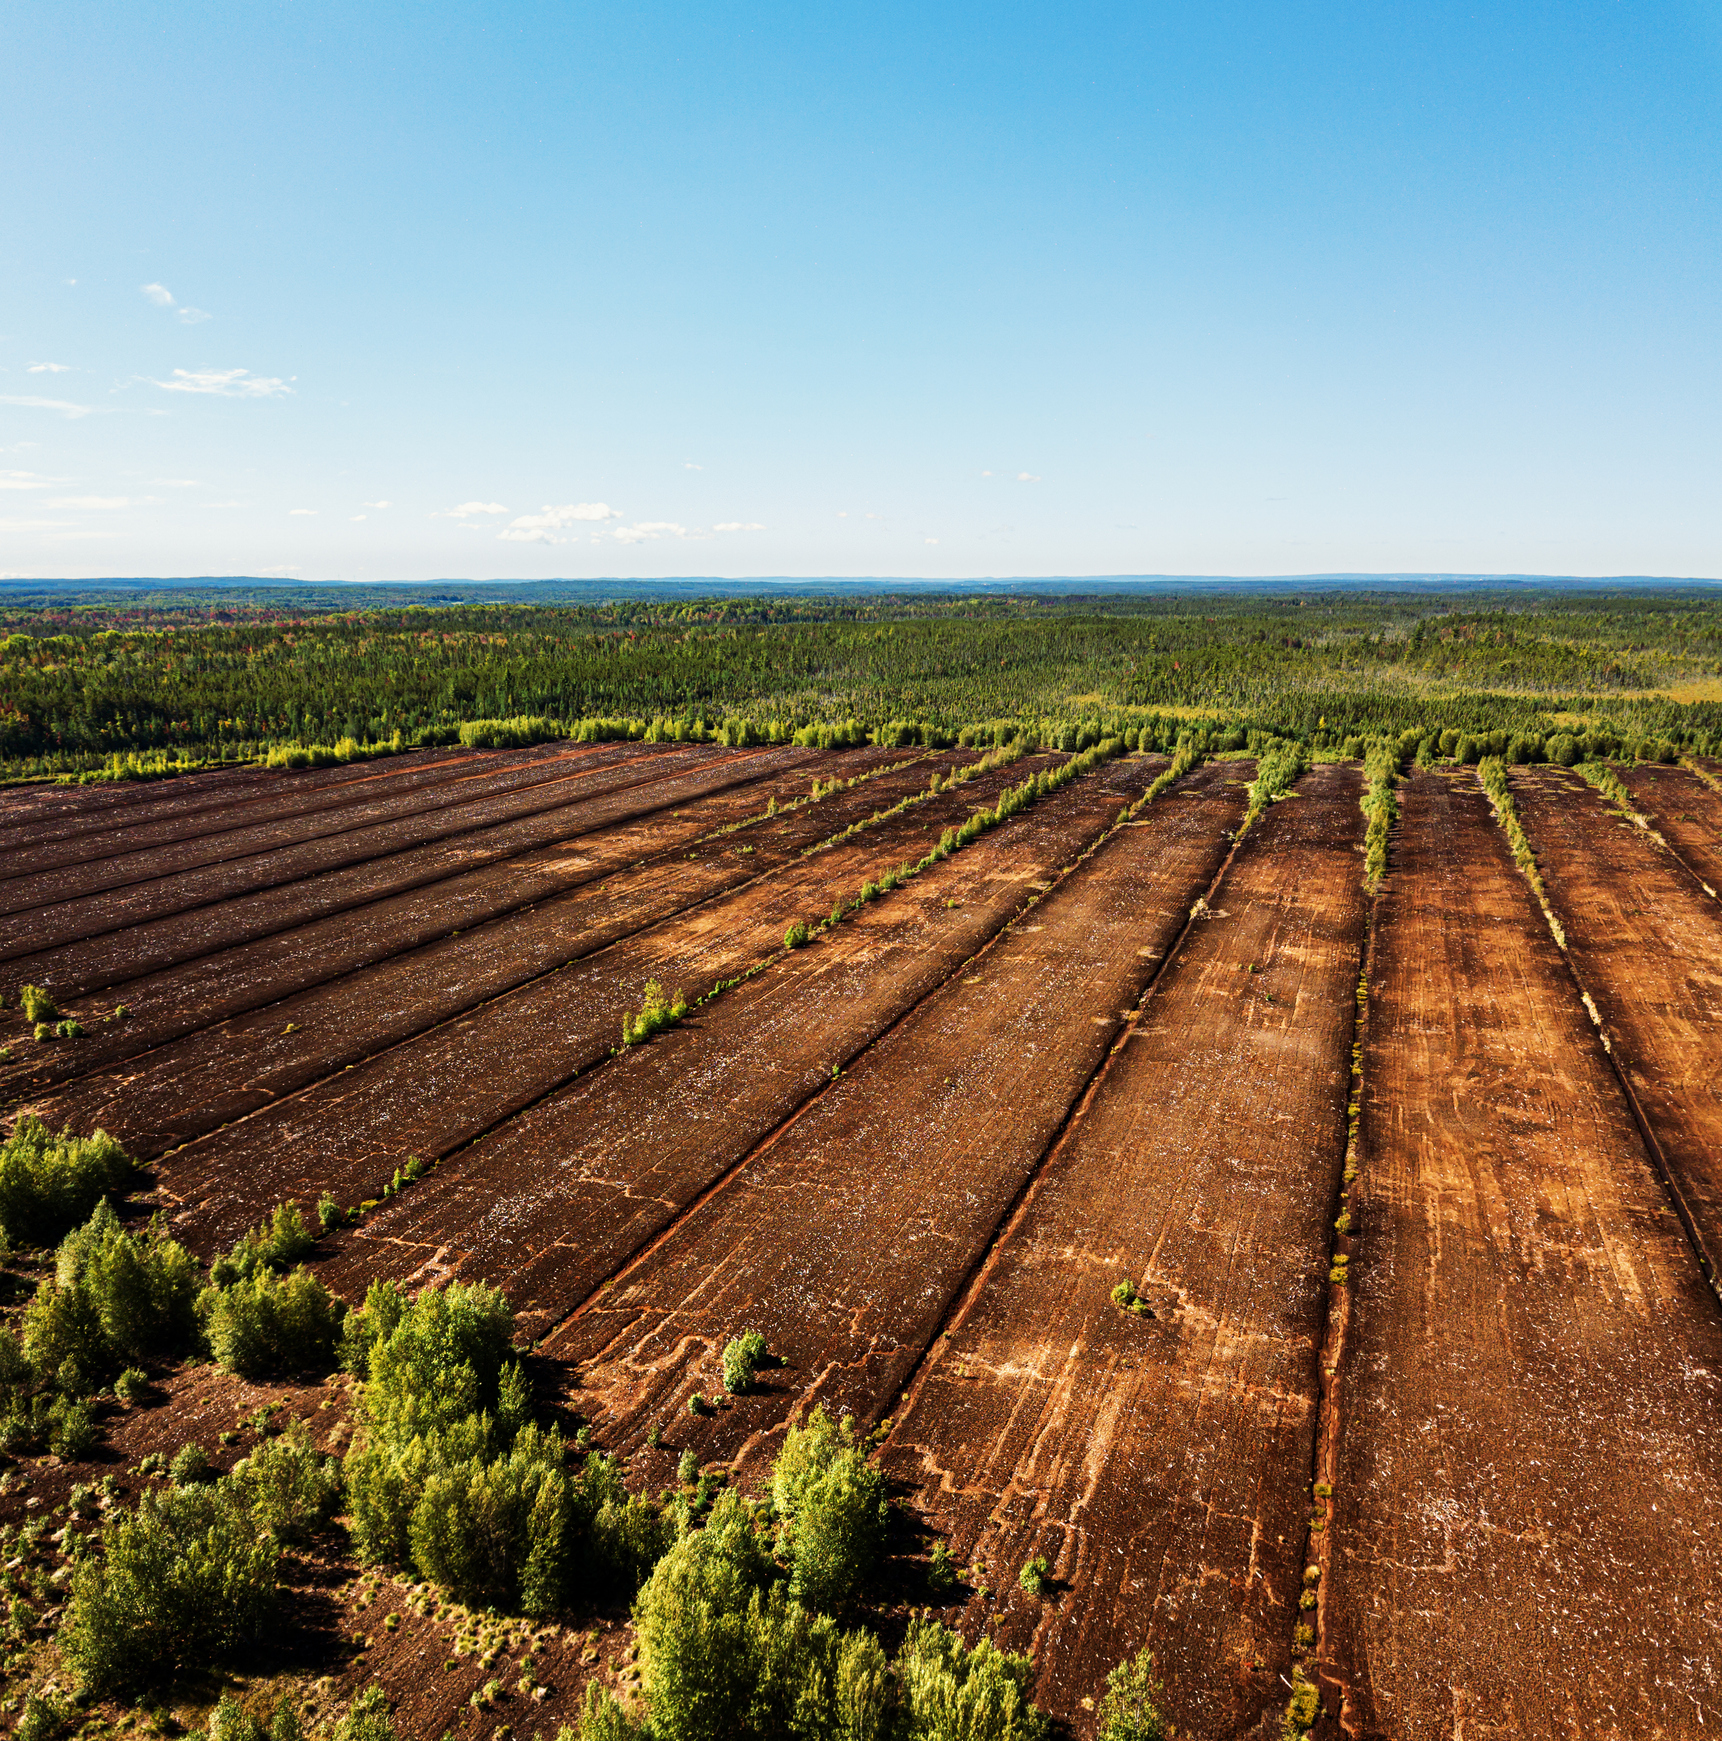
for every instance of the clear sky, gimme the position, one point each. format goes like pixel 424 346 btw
pixel 379 290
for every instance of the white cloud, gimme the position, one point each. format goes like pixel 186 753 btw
pixel 175 484
pixel 689 466
pixel 738 526
pixel 930 541
pixel 646 529
pixel 310 513
pixel 228 383
pixel 842 513
pixel 542 527
pixel 355 518
pixel 64 407
pixel 1027 478
pixel 49 369
pixel 105 503
pixel 286 570
pixel 986 474
pixel 467 509
pixel 25 481
pixel 33 525
pixel 162 297
pixel 385 505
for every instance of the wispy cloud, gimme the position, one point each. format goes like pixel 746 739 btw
pixel 468 509
pixel 162 297
pixel 226 383
pixel 929 540
pixel 647 529
pixel 63 406
pixel 382 505
pixel 689 466
pixel 543 527
pixel 33 525
pixel 175 484
pixel 1027 478
pixel 355 518
pixel 104 503
pixel 738 526
pixel 26 481
pixel 309 513
pixel 49 369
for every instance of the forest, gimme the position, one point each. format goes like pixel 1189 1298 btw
pixel 121 684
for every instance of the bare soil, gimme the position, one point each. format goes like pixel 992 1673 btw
pixel 554 1202
pixel 1528 1482
pixel 1646 944
pixel 1160 1462
pixel 194 996
pixel 1686 812
pixel 845 1236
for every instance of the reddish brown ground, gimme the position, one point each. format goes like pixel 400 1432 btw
pixel 1685 810
pixel 558 1199
pixel 601 797
pixel 346 1134
pixel 1529 1479
pixel 845 1237
pixel 1161 1464
pixel 655 865
pixel 1646 943
pixel 567 951
pixel 137 851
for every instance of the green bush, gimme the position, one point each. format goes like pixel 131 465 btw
pixel 142 1287
pixel 657 1012
pixel 833 1503
pixel 279 1240
pixel 37 1005
pixel 292 1490
pixel 184 1578
pixel 741 1360
pixel 1034 1575
pixel 953 1693
pixel 272 1324
pixel 1130 1711
pixel 190 1466
pixel 132 1385
pixel 367 1718
pixel 520 732
pixel 49 1184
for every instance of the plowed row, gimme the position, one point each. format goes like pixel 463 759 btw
pixel 919 1152
pixel 1528 1485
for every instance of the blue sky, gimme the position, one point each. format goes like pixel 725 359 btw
pixel 393 291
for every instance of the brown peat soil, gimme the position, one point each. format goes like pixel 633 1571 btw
pixel 1528 1473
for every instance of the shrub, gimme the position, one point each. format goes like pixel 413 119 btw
pixel 44 1717
pixel 132 1385
pixel 797 935
pixel 37 1005
pixel 44 1031
pixel 957 1694
pixel 291 1489
pixel 70 1030
pixel 49 1184
pixel 1130 1711
pixel 280 1239
pixel 657 1012
pixel 520 732
pixel 272 1324
pixel 330 1214
pixel 941 1571
pixel 367 1718
pixel 190 1465
pixel 834 1502
pixel 688 1467
pixel 140 1288
pixel 741 1360
pixel 185 1577
pixel 1033 1577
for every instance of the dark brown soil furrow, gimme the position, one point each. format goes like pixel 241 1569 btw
pixel 1685 811
pixel 214 986
pixel 556 1200
pixel 427 1088
pixel 1160 1463
pixel 1528 1480
pixel 25 933
pixel 845 1239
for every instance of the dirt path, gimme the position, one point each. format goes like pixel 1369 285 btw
pixel 845 1238
pixel 1161 1464
pixel 650 867
pixel 1646 943
pixel 1529 1477
pixel 558 1199
pixel 1685 811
